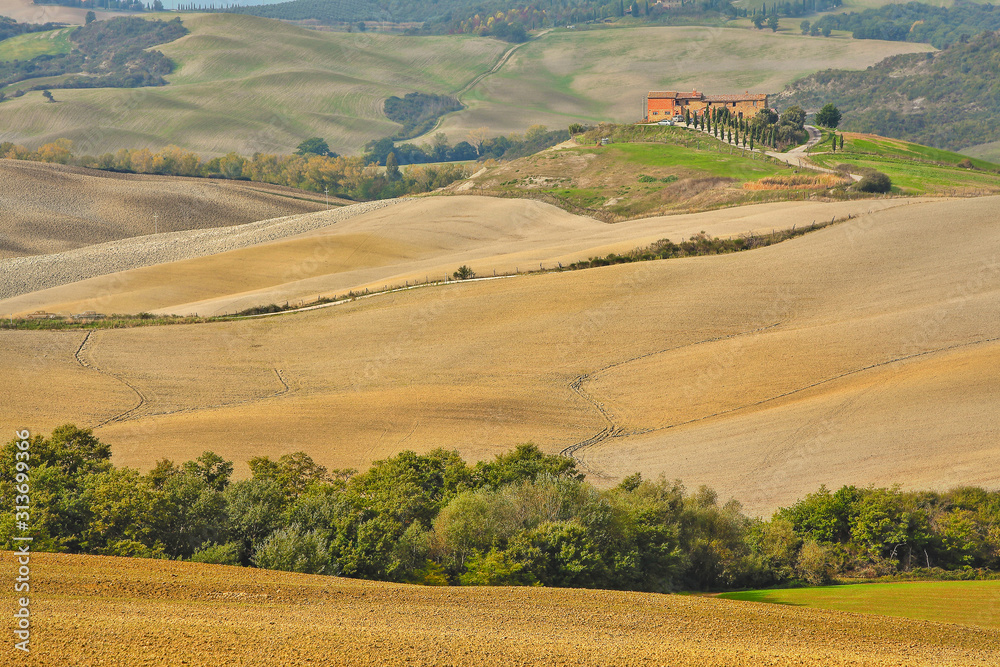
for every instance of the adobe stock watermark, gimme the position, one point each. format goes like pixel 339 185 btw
pixel 22 541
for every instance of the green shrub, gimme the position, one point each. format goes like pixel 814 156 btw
pixel 294 550
pixel 875 181
pixel 218 554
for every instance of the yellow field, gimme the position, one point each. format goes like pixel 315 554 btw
pixel 426 238
pixel 120 611
pixel 53 208
pixel 862 353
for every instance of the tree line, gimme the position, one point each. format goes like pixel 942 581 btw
pixel 949 99
pixel 916 22
pixel 348 177
pixel 766 128
pixel 523 518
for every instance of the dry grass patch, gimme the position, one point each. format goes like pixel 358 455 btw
pixel 797 182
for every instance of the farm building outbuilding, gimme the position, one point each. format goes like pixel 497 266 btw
pixel 667 103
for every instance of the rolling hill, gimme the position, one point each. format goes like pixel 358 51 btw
pixel 602 75
pixel 251 85
pixel 47 208
pixel 227 95
pixel 946 100
pixel 157 612
pixel 861 353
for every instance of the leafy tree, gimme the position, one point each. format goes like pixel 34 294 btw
pixel 254 509
pixel 772 22
pixel 828 116
pixel 559 554
pixel 211 468
pixel 758 21
pixel 463 273
pixel 524 462
pixel 294 550
pixel 314 146
pixel 218 554
pixel 814 563
pixel 90 17
pixel 496 568
pixel 804 26
pixel 392 168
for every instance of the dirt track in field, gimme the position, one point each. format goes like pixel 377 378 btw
pixel 114 611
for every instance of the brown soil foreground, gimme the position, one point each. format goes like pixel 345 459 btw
pixel 91 610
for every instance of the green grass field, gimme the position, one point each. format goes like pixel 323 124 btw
pixel 965 602
pixel 649 171
pixel 26 47
pixel 990 151
pixel 913 168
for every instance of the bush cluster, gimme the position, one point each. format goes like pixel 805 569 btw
pixel 524 518
pixel 107 54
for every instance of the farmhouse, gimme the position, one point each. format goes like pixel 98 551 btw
pixel 667 103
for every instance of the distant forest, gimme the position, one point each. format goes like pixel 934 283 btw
pixel 917 22
pixel 949 99
pixel 510 21
pixel 106 54
pixel 117 5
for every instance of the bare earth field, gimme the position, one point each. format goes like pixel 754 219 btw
pixel 116 611
pixel 48 208
pixel 861 353
pixel 388 243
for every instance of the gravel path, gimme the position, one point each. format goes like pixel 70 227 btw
pixel 20 275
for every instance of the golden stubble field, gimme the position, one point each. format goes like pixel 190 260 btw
pixel 407 242
pixel 46 208
pixel 92 610
pixel 862 353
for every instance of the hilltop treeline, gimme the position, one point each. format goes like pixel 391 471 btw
pixel 916 22
pixel 523 518
pixel 106 54
pixel 511 21
pixel 349 177
pixel 949 99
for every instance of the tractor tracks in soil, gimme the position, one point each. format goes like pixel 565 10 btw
pixel 614 430
pixel 142 406
pixel 611 428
